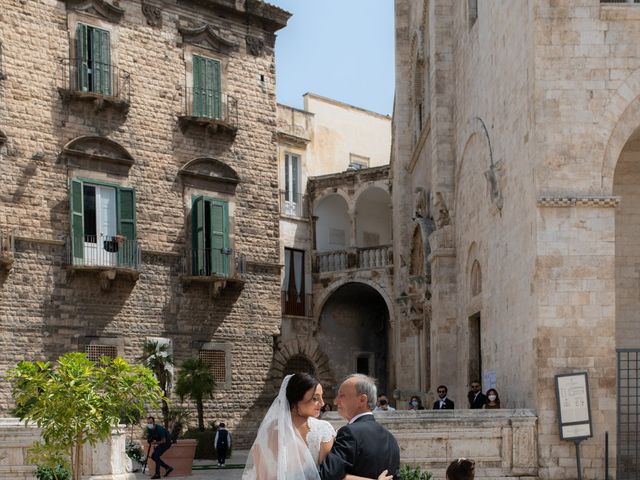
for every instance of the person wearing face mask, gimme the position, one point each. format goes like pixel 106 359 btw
pixel 493 400
pixel 443 403
pixel 415 403
pixel 160 438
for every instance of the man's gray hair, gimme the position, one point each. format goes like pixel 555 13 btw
pixel 366 385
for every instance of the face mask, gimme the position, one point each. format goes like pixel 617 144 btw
pixel 150 426
pixel 492 398
pixel 414 403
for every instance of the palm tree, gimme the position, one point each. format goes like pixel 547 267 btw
pixel 156 357
pixel 195 381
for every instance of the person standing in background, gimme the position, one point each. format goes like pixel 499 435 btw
pixel 222 443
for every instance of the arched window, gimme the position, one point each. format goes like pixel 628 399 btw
pixel 299 364
pixel 476 279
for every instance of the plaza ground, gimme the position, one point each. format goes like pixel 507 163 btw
pixel 238 457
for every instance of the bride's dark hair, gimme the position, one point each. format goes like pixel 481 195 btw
pixel 299 384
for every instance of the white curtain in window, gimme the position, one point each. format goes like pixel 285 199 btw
pixel 298 258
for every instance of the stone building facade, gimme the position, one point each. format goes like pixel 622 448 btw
pixel 335 230
pixel 514 160
pixel 138 197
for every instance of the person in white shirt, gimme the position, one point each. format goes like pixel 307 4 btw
pixel 382 405
pixel 443 403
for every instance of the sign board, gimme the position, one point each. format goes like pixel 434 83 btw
pixel 489 379
pixel 574 408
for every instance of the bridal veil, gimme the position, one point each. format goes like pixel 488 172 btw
pixel 279 453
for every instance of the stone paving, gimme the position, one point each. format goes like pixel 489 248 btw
pixel 237 458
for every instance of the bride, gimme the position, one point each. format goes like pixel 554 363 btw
pixel 291 441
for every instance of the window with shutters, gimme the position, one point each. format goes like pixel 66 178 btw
pixel 216 360
pixel 95 352
pixel 207 88
pixel 210 236
pixel 93 60
pixel 293 286
pixel 103 225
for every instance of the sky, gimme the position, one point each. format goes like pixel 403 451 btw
pixel 341 49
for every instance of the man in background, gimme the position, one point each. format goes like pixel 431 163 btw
pixel 382 405
pixel 160 439
pixel 222 443
pixel 443 403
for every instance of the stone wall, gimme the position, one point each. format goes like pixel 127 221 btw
pixel 47 308
pixel 502 442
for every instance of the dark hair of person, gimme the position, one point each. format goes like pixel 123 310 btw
pixel 497 401
pixel 461 469
pixel 299 384
pixel 222 425
pixel 443 387
pixel 417 398
pixel 151 418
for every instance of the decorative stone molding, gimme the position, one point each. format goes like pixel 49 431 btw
pixel 210 173
pixel 205 36
pixel 99 8
pixel 310 349
pixel 153 14
pixel 579 201
pixel 255 45
pixel 97 153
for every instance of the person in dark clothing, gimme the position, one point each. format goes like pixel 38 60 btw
pixel 476 397
pixel 443 403
pixel 222 443
pixel 160 438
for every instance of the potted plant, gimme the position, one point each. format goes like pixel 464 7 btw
pixel 195 381
pixel 407 472
pixel 78 401
pixel 156 357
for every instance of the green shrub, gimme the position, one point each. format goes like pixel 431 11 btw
pixel 44 472
pixel 407 472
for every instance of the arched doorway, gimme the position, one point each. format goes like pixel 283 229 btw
pixel 299 364
pixel 353 332
pixel 626 185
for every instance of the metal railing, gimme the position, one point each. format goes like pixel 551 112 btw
pixel 211 104
pixel 628 421
pixel 205 262
pixel 359 258
pixel 103 251
pixel 78 76
pixel 7 243
pixel 293 204
pixel 620 1
pixel 297 305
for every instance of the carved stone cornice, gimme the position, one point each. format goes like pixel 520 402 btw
pixel 98 8
pixel 579 201
pixel 206 36
pixel 153 14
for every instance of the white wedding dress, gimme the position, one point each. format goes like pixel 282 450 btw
pixel 279 452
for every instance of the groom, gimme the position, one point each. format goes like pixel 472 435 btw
pixel 362 447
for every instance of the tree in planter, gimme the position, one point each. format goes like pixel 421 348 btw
pixel 79 401
pixel 156 357
pixel 195 381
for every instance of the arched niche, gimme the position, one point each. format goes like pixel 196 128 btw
pixel 373 218
pixel 98 154
pixel 333 224
pixel 210 174
pixel 475 283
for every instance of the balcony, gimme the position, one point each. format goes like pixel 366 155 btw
pixel 368 258
pixel 108 256
pixel 293 205
pixel 297 306
pixel 7 249
pixel 211 109
pixel 104 85
pixel 216 269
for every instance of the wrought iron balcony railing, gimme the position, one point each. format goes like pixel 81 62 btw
pixel 293 204
pixel 103 251
pixel 219 263
pixel 367 258
pixel 7 249
pixel 210 107
pixel 297 305
pixel 94 80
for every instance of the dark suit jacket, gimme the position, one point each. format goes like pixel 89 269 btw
pixel 479 402
pixel 362 448
pixel 448 405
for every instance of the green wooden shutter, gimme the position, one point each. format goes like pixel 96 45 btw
pixel 77 221
pixel 127 251
pixel 198 255
pixel 82 58
pixel 219 237
pixel 213 89
pixel 101 61
pixel 198 86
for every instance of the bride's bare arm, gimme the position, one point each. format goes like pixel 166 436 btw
pixel 382 476
pixel 325 448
